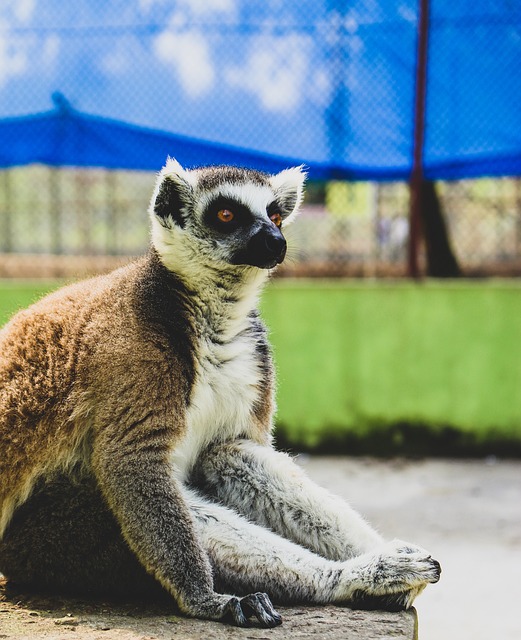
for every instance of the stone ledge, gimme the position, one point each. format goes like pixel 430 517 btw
pixel 24 616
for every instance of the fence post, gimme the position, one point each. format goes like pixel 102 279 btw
pixel 7 232
pixel 56 210
pixel 83 210
pixel 336 112
pixel 416 179
pixel 111 238
pixel 517 246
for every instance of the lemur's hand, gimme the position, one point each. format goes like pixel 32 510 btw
pixel 389 577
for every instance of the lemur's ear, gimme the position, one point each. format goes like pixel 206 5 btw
pixel 172 195
pixel 288 186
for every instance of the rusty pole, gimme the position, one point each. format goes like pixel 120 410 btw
pixel 416 178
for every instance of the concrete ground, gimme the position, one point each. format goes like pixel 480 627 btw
pixel 466 513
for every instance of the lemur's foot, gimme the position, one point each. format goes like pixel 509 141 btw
pixel 254 604
pixel 391 576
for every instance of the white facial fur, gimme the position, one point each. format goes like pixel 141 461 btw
pixel 191 247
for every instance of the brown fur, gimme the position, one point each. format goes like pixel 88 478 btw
pixel 73 368
pixel 112 388
pixel 96 379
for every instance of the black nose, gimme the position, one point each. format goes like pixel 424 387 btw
pixel 265 249
pixel 276 246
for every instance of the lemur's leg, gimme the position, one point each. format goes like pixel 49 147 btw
pixel 270 489
pixel 131 465
pixel 246 557
pixel 273 491
pixel 65 539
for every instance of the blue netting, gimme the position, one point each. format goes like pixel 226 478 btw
pixel 260 83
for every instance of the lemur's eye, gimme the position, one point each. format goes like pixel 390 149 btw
pixel 225 215
pixel 276 218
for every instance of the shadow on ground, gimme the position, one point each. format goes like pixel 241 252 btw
pixel 24 616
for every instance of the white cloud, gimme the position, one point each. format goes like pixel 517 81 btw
pixel 118 60
pixel 193 8
pixel 183 46
pixel 21 53
pixel 50 50
pixel 189 55
pixel 199 8
pixel 20 11
pixel 276 71
pixel 319 88
pixel 14 56
pixel 23 9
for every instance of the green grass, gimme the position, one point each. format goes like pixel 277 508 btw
pixel 16 295
pixel 384 362
pixel 387 367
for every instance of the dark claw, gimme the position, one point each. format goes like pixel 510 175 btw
pixel 255 604
pixel 437 567
pixel 233 608
pixel 260 606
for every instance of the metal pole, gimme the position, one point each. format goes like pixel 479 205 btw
pixel 517 246
pixel 56 213
pixel 337 111
pixel 416 179
pixel 111 243
pixel 7 231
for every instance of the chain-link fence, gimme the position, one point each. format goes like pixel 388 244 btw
pixel 390 92
pixel 67 222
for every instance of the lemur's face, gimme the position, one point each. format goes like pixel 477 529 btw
pixel 225 215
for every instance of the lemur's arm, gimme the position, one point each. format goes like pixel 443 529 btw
pixel 271 490
pixel 137 482
pixel 133 434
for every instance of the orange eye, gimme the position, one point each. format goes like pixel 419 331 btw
pixel 225 215
pixel 276 218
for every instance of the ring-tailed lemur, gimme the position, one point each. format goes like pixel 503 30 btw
pixel 135 428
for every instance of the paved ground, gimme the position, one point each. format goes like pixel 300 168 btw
pixel 468 514
pixel 38 618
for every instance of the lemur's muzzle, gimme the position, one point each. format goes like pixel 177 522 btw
pixel 276 245
pixel 265 249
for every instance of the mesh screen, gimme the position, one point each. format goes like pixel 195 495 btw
pixel 63 221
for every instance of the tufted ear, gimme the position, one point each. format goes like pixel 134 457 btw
pixel 172 195
pixel 288 186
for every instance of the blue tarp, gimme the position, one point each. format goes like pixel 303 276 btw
pixel 261 83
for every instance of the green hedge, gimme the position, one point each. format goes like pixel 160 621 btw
pixel 398 367
pixel 378 367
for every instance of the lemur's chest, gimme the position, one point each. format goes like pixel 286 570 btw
pixel 227 385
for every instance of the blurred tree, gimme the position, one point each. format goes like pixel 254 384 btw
pixel 441 261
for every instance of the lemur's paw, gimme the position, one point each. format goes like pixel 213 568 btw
pixel 397 569
pixel 255 604
pixel 410 562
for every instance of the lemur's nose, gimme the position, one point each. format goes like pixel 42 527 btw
pixel 265 249
pixel 276 245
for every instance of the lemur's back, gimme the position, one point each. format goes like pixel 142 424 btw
pixel 62 356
